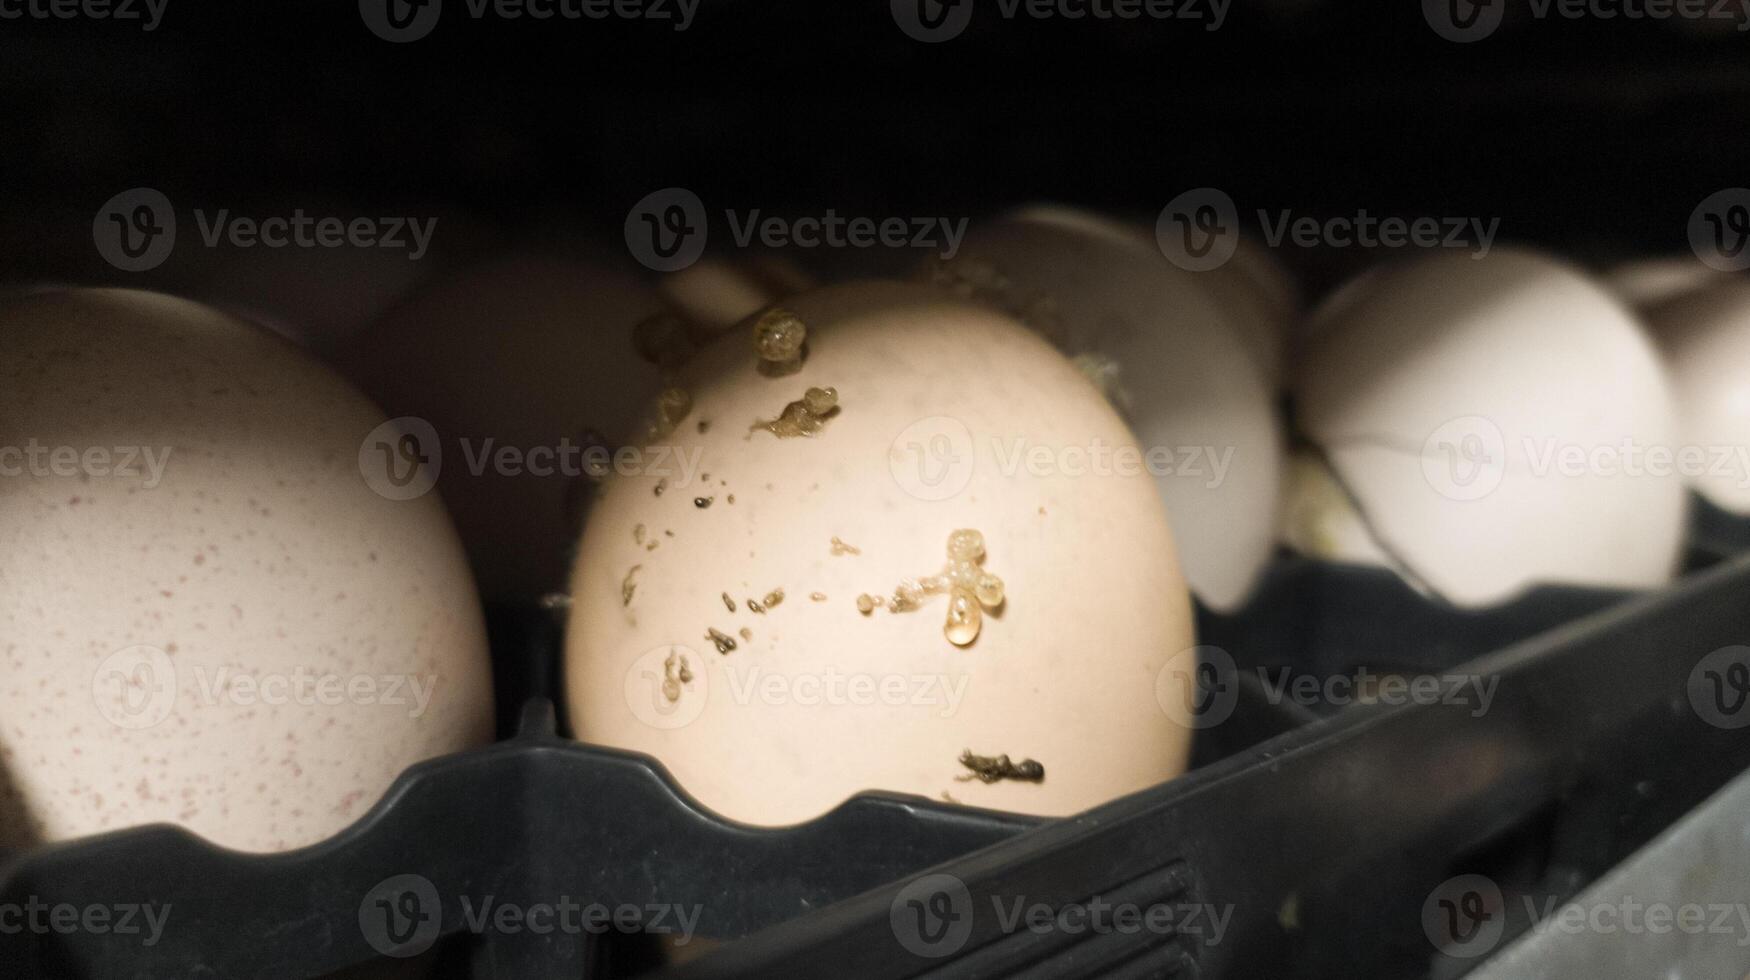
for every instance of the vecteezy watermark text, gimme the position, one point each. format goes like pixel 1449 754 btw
pixel 402 21
pixel 147 13
pixel 934 459
pixel 136 230
pixel 667 230
pixel 1199 230
pixel 402 916
pixel 933 916
pixel 138 687
pixel 934 21
pixel 1199 688
pixel 402 458
pixel 40 918
pixel 1465 21
pixel 35 459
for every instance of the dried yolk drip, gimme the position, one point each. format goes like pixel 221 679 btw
pixel 673 676
pixel 672 406
pixel 778 338
pixel 970 589
pixel 804 417
pixel 723 641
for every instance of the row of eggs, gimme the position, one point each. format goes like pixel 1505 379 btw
pixel 784 605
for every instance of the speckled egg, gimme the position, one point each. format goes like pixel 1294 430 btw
pixel 208 616
pixel 877 550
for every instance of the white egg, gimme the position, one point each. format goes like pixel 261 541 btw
pixel 1259 296
pixel 207 615
pixel 940 406
pixel 1172 362
pixel 1491 419
pixel 514 365
pixel 1705 336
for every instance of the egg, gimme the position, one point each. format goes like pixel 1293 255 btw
pixel 318 297
pixel 1492 421
pixel 1705 336
pixel 883 560
pixel 209 617
pixel 1258 294
pixel 523 368
pixel 1646 283
pixel 1170 359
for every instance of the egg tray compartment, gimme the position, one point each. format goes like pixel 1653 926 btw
pixel 540 816
pixel 1322 620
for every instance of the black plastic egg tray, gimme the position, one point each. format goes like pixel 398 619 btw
pixel 1311 838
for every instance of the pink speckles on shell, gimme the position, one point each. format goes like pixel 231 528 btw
pixel 260 562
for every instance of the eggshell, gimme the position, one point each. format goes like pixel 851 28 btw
pixel 230 640
pixel 1259 296
pixel 933 394
pixel 514 364
pixel 1174 364
pixel 1445 395
pixel 1705 336
pixel 318 297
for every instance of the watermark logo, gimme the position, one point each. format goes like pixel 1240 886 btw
pixel 933 458
pixel 135 687
pixel 1465 458
pixel 932 21
pixel 932 916
pixel 667 229
pixel 1719 688
pixel 1464 917
pixel 401 21
pixel 1468 458
pixel 401 458
pixel 1464 21
pixel 402 916
pixel 1198 230
pixel 667 687
pixel 1719 229
pixel 1198 688
pixel 138 687
pixel 135 231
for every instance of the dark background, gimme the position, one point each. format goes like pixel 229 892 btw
pixel 1595 137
